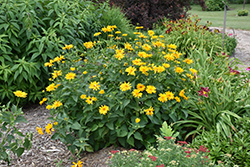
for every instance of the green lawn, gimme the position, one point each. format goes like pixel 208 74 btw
pixel 217 17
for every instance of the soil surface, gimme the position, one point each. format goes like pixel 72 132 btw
pixel 51 153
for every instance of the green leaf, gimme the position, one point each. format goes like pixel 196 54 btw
pixel 131 141
pixel 148 103
pixel 94 127
pixel 76 126
pixel 27 144
pixel 138 136
pixel 110 125
pixel 89 148
pixel 19 151
pixel 122 141
pixel 20 119
pixel 125 102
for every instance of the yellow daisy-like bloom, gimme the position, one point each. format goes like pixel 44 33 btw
pixel 144 69
pixel 125 86
pixel 49 107
pixel 139 27
pixel 169 95
pixel 125 64
pixel 178 70
pixel 56 104
pixel 83 96
pixel 142 54
pixel 56 73
pixel 20 93
pixel 50 63
pixel 70 75
pixel 188 61
pixel 169 57
pixel 49 128
pixel 42 101
pixel 124 35
pixel 110 35
pixel 166 65
pixel 78 164
pixel 103 109
pixel 190 76
pixel 193 71
pixel 172 46
pixel 106 29
pixel 97 34
pixel 161 36
pixel 158 44
pixel 68 46
pixel 160 69
pixel 182 94
pixel 72 68
pixel 136 61
pixel 88 45
pixel 130 70
pixel 149 111
pixel 163 97
pixel 39 130
pixel 118 32
pixel 178 99
pixel 150 89
pixel 90 100
pixel 142 35
pixel 58 59
pixel 119 56
pixel 128 46
pixel 101 92
pixel 137 93
pixel 94 85
pixel 137 120
pixel 55 123
pixel 140 87
pixel 146 47
pixel 84 72
pixel 151 32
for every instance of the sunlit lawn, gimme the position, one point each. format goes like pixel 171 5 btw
pixel 232 20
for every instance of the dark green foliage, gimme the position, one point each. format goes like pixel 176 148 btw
pixel 243 13
pixel 34 31
pixel 238 1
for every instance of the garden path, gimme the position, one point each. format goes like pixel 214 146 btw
pixel 49 153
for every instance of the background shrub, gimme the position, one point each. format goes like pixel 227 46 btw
pixel 148 12
pixel 214 5
pixel 34 32
pixel 238 1
pixel 243 13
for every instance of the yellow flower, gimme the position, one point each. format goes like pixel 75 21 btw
pixel 97 34
pixel 56 73
pixel 94 85
pixel 169 95
pixel 139 27
pixel 106 29
pixel 50 63
pixel 48 107
pixel 193 71
pixel 83 96
pixel 142 36
pixel 130 70
pixel 125 86
pixel 55 123
pixel 137 120
pixel 49 128
pixel 68 47
pixel 149 111
pixel 124 35
pixel 103 109
pixel 136 93
pixel 70 75
pixel 51 87
pixel 151 32
pixel 178 70
pixel 178 99
pixel 119 56
pixel 78 164
pixel 140 87
pixel 150 89
pixel 90 100
pixel 190 76
pixel 136 61
pixel 84 72
pixel 169 57
pixel 20 93
pixel 161 36
pixel 172 46
pixel 118 32
pixel 101 91
pixel 110 35
pixel 72 68
pixel 182 94
pixel 158 44
pixel 128 46
pixel 39 130
pixel 42 101
pixel 166 65
pixel 144 69
pixel 188 61
pixel 163 97
pixel 146 47
pixel 56 104
pixel 88 45
pixel 160 69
